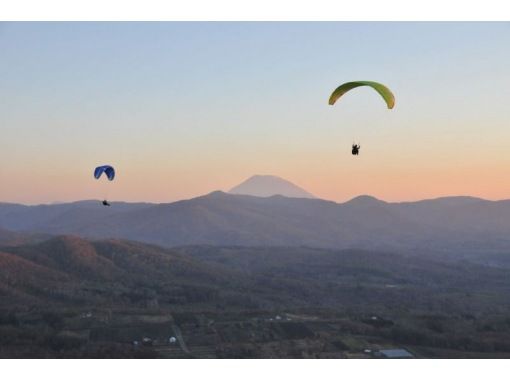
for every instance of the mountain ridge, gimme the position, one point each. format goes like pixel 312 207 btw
pixel 220 218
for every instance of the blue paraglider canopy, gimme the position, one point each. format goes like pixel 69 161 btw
pixel 108 170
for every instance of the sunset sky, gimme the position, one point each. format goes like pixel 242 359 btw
pixel 182 109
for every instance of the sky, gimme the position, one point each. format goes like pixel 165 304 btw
pixel 182 109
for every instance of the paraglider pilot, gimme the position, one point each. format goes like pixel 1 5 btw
pixel 109 172
pixel 355 149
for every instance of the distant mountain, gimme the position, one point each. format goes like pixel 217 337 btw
pixel 455 224
pixel 18 217
pixel 269 185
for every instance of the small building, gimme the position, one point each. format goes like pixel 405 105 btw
pixel 377 321
pixel 394 353
pixel 146 341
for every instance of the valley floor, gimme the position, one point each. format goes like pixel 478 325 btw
pixel 67 297
pixel 259 334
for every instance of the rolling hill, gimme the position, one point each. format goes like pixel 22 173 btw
pixel 68 270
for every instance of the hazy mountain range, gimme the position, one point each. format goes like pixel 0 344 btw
pixel 462 224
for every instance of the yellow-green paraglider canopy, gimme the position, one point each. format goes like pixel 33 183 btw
pixel 384 91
